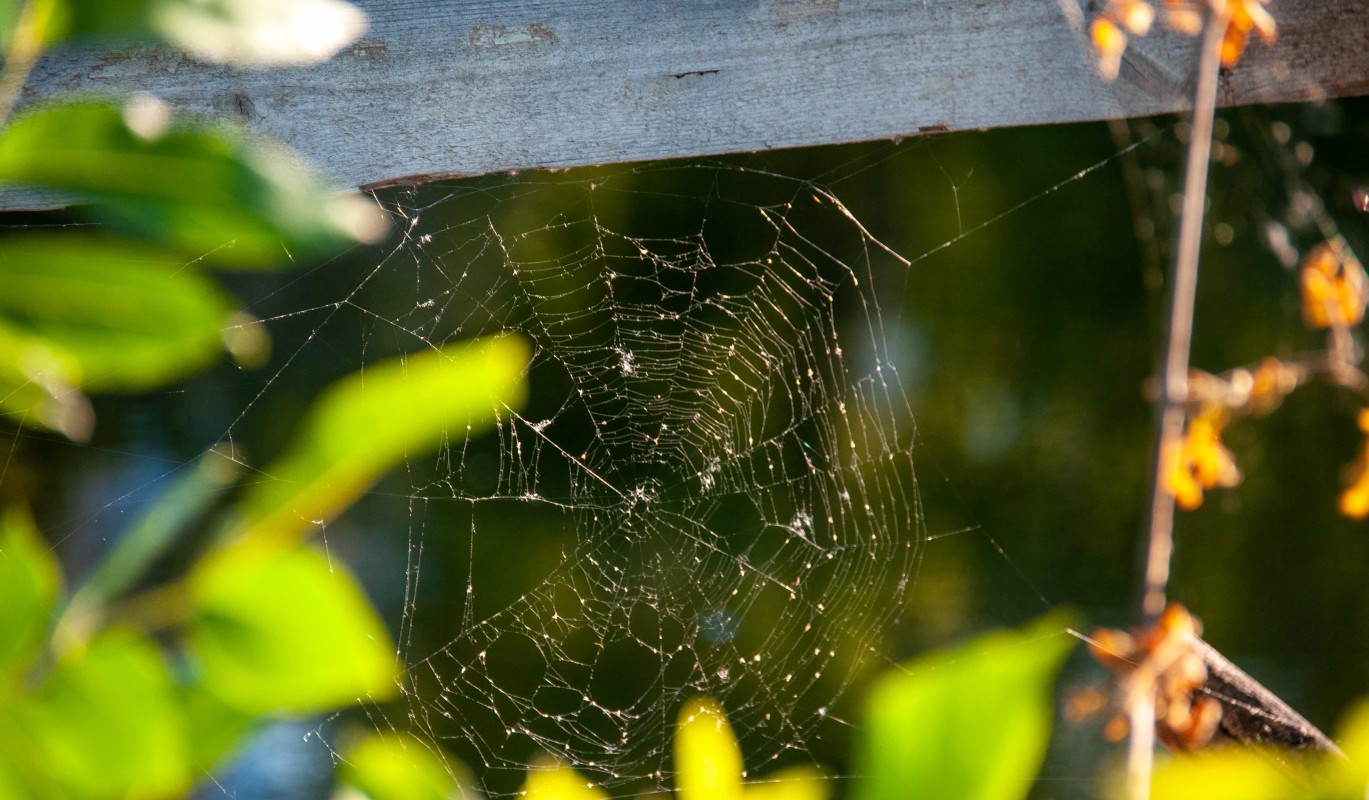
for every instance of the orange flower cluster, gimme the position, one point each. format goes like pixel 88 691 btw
pixel 1247 392
pixel 1110 29
pixel 1199 460
pixel 1121 17
pixel 1162 661
pixel 1270 383
pixel 1246 15
pixel 1333 288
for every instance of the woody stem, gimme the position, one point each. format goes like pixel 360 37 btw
pixel 1174 384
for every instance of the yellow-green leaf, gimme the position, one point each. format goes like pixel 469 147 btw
pixel 45 400
pixel 557 781
pixel 103 314
pixel 105 723
pixel 708 762
pixel 29 580
pixel 965 724
pixel 1224 774
pixel 400 767
pixel 216 728
pixel 1243 773
pixel 370 421
pixel 791 783
pixel 252 33
pixel 212 191
pixel 260 33
pixel 280 629
pixel 12 784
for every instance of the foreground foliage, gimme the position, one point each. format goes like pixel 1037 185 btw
pixel 137 690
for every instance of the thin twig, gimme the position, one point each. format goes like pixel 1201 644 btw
pixel 1174 384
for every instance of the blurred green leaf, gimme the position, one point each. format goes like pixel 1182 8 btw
pixel 9 15
pixel 215 728
pixel 259 32
pixel 9 20
pixel 965 724
pixel 280 629
pixel 790 783
pixel 370 421
pixel 1243 773
pixel 1354 734
pixel 211 191
pixel 38 382
pixel 26 28
pixel 1226 774
pixel 254 33
pixel 104 724
pixel 557 781
pixel 29 580
pixel 400 767
pixel 103 314
pixel 60 409
pixel 708 762
pixel 12 783
pixel 709 766
pixel 107 19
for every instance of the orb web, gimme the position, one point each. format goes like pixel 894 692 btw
pixel 713 480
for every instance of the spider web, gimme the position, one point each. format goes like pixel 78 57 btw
pixel 718 446
pixel 712 487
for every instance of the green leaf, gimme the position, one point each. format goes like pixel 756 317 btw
pixel 259 33
pixel 65 410
pixel 1354 733
pixel 790 783
pixel 9 20
pixel 26 28
pixel 103 19
pixel 965 724
pixel 1245 773
pixel 37 383
pixel 1225 774
pixel 211 191
pixel 216 728
pixel 399 767
pixel 12 784
pixel 29 580
pixel 282 630
pixel 708 762
pixel 105 723
pixel 103 314
pixel 557 781
pixel 370 421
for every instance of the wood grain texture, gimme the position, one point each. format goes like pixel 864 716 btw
pixel 477 86
pixel 1253 715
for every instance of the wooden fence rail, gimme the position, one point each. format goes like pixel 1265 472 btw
pixel 450 88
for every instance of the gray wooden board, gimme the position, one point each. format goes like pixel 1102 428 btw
pixel 437 89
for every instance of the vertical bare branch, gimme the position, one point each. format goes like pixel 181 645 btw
pixel 1174 384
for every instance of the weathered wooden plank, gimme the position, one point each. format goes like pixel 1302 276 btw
pixel 457 88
